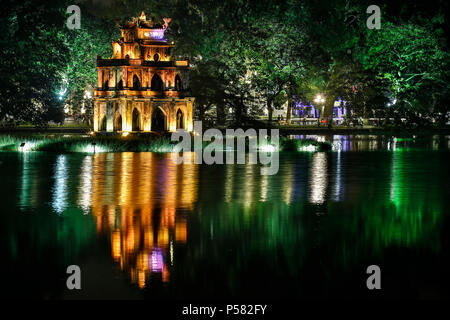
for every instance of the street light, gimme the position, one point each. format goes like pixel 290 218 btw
pixel 320 101
pixel 61 94
pixel 87 95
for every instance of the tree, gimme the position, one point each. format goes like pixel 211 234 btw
pixel 84 45
pixel 33 55
pixel 414 60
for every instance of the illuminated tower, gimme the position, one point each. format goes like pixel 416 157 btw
pixel 142 87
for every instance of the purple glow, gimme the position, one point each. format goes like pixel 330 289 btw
pixel 339 111
pixel 156 260
pixel 157 34
pixel 302 109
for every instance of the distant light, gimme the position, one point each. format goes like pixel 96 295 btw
pixel 125 134
pixel 321 139
pixel 319 99
pixel 310 148
pixel 24 147
pixel 61 94
pixel 268 148
pixel 156 260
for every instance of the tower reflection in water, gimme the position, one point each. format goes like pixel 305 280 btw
pixel 141 201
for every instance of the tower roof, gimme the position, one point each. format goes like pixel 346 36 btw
pixel 143 22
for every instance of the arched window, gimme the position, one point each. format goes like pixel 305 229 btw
pixel 156 57
pixel 157 84
pixel 106 85
pixel 137 52
pixel 178 83
pixel 119 85
pixel 119 123
pixel 103 124
pixel 180 119
pixel 136 123
pixel 136 83
pixel 158 120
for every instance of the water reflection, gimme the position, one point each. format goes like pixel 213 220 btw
pixel 249 184
pixel 229 177
pixel 338 188
pixel 177 225
pixel 59 202
pixel 28 194
pixel 85 187
pixel 142 200
pixel 368 142
pixel 319 179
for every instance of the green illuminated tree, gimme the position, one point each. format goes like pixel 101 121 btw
pixel 32 58
pixel 414 61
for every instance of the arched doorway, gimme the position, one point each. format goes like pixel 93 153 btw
pixel 178 84
pixel 157 84
pixel 136 83
pixel 158 120
pixel 120 85
pixel 180 119
pixel 136 123
pixel 137 52
pixel 103 124
pixel 119 123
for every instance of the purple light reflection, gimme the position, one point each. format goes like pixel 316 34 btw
pixel 156 260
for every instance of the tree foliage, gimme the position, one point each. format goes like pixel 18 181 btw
pixel 246 55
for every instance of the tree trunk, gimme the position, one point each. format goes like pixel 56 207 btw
pixel 270 111
pixel 289 109
pixel 220 114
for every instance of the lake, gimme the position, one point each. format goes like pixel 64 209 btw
pixel 140 226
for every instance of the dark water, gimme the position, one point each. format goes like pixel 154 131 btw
pixel 140 226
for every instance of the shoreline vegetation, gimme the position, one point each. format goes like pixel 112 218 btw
pixel 284 130
pixel 132 143
pixel 78 139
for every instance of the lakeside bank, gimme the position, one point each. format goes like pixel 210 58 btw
pixel 135 143
pixel 284 130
